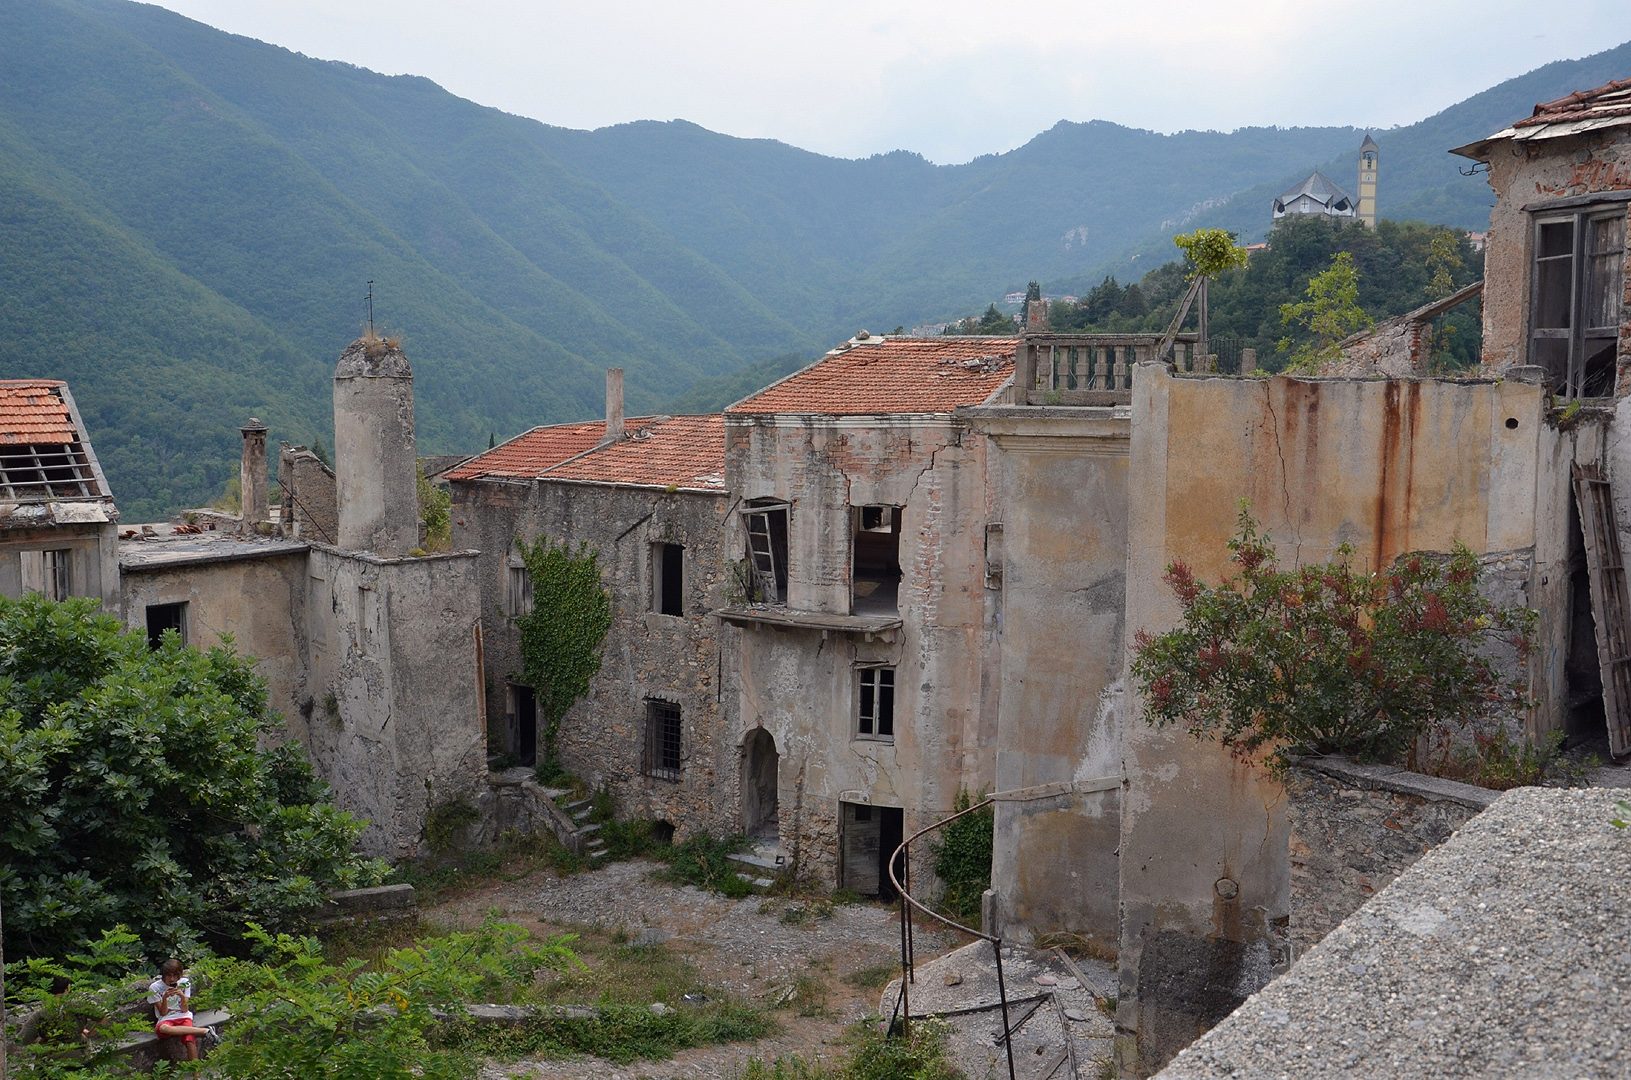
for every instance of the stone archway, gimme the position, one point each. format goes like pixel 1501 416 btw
pixel 760 763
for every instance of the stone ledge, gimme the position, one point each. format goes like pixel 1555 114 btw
pixel 1402 781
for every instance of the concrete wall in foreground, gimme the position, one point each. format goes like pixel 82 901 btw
pixel 1063 508
pixel 394 683
pixel 1388 467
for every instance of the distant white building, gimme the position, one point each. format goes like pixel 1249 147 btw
pixel 1318 195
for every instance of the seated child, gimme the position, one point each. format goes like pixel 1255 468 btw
pixel 171 996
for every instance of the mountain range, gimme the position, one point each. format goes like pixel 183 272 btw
pixel 190 220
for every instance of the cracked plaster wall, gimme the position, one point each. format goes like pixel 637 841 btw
pixel 1388 467
pixel 800 684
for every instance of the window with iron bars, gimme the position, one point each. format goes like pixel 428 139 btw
pixel 662 759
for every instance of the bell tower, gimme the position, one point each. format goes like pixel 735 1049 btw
pixel 1367 182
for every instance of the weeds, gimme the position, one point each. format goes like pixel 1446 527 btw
pixel 704 861
pixel 1497 761
pixel 873 976
pixel 870 1055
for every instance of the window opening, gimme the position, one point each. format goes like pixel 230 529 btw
pixel 662 740
pixel 517 589
pixel 47 573
pixel 875 574
pixel 668 579
pixel 875 717
pixel 1575 300
pixel 767 551
pixel 162 617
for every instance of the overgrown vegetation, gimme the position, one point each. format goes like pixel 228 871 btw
pixel 1395 268
pixel 136 788
pixel 870 1055
pixel 962 858
pixel 562 634
pixel 1325 658
pixel 436 511
pixel 703 861
pixel 1330 313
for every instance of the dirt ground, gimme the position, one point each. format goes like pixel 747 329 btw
pixel 831 960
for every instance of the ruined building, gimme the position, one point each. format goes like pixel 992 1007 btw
pixel 648 495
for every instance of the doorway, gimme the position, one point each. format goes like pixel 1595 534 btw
pixel 868 838
pixel 524 724
pixel 760 768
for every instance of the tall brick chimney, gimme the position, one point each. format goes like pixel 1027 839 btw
pixel 614 404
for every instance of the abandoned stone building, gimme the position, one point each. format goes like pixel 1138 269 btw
pixel 864 677
pixel 371 654
pixel 648 495
pixel 59 527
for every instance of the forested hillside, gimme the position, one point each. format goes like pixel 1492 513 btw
pixel 188 220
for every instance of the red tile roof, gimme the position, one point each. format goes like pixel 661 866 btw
pixel 33 411
pixel 679 451
pixel 535 452
pixel 668 451
pixel 892 375
pixel 1610 99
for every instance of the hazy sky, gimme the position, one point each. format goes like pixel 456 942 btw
pixel 951 79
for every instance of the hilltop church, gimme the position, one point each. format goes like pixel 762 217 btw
pixel 1319 195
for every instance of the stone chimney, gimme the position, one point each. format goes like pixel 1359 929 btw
pixel 1036 317
pixel 375 470
pixel 614 404
pixel 252 477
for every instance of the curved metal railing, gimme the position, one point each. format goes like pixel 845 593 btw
pixel 903 1003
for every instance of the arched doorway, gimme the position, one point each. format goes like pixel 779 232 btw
pixel 759 769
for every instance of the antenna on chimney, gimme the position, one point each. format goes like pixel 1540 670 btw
pixel 370 307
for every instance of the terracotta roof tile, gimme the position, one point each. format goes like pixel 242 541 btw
pixel 668 451
pixel 33 411
pixel 676 451
pixel 895 375
pixel 1610 99
pixel 535 452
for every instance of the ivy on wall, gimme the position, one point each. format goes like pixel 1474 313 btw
pixel 561 635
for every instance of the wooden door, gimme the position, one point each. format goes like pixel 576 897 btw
pixel 1608 601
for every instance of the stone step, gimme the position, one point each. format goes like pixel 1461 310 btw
pixel 754 859
pixel 588 829
pixel 578 803
pixel 582 815
pixel 757 882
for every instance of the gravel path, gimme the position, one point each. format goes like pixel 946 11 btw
pixel 741 947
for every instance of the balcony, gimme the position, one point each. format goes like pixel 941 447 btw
pixel 1093 369
pixel 779 617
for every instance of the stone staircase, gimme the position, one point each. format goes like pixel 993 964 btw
pixel 761 862
pixel 591 845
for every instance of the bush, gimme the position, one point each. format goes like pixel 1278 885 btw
pixel 135 789
pixel 702 861
pixel 962 858
pixel 1324 658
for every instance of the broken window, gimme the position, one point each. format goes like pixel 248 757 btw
pixel 875 580
pixel 1575 299
pixel 162 617
pixel 766 522
pixel 47 573
pixel 875 714
pixel 517 588
pixel 668 579
pixel 662 740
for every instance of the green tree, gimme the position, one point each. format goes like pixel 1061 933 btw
pixel 136 787
pixel 1330 313
pixel 1443 261
pixel 1211 252
pixel 1325 658
pixel 562 634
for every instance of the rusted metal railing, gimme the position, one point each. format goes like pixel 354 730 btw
pixel 903 1003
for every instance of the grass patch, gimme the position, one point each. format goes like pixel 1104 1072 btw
pixel 873 976
pixel 868 1055
pixel 512 858
pixel 703 861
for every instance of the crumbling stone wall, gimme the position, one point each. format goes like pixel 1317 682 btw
pixel 1356 828
pixel 646 655
pixel 309 503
